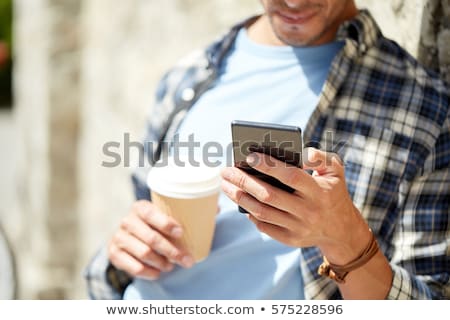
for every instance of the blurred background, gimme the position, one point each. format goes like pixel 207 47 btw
pixel 75 74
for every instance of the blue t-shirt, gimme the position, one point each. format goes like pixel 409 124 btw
pixel 278 84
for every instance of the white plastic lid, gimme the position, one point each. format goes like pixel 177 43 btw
pixel 170 179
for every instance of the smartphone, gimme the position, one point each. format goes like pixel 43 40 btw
pixel 279 141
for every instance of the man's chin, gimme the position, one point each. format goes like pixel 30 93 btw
pixel 297 40
pixel 297 36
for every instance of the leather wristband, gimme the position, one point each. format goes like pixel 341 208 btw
pixel 339 272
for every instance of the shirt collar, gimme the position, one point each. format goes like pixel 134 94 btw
pixel 363 30
pixel 218 50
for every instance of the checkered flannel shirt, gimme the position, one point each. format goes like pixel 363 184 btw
pixel 388 119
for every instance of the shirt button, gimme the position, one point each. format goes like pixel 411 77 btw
pixel 188 94
pixel 363 48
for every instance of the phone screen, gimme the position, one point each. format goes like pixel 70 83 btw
pixel 279 141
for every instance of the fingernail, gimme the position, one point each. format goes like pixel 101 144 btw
pixel 252 159
pixel 176 232
pixel 187 262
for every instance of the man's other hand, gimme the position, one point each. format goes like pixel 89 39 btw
pixel 143 246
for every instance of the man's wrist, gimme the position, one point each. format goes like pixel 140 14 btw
pixel 342 252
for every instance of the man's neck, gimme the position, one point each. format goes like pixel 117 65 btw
pixel 261 32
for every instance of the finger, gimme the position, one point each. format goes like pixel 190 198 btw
pixel 260 190
pixel 278 233
pixel 158 220
pixel 260 211
pixel 139 250
pixel 275 232
pixel 123 261
pixel 292 176
pixel 155 240
pixel 322 162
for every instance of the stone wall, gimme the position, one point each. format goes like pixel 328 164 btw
pixel 85 75
pixel 434 46
pixel 399 20
pixel 47 69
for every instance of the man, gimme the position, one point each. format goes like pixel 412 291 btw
pixel 378 229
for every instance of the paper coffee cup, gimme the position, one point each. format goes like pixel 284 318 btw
pixel 190 195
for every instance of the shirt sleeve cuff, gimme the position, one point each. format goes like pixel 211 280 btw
pixel 95 274
pixel 404 287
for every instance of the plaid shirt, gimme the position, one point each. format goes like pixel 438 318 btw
pixel 388 119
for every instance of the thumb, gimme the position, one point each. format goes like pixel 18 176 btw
pixel 322 162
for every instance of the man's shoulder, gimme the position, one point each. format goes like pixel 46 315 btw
pixel 195 58
pixel 386 58
pixel 211 55
pixel 396 60
pixel 196 67
pixel 195 62
pixel 401 84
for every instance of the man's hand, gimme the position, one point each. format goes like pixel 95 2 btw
pixel 143 245
pixel 319 213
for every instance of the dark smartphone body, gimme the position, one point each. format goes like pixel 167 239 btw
pixel 279 141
